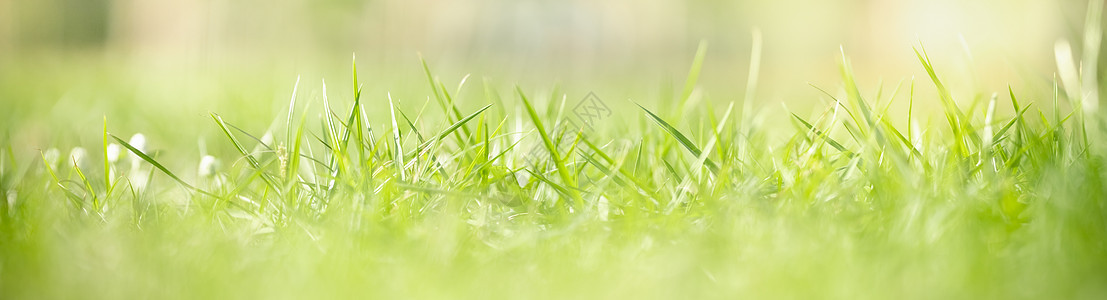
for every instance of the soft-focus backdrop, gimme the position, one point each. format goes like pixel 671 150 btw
pixel 73 61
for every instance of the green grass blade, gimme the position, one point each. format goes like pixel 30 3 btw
pixel 448 130
pixel 398 159
pixel 242 150
pixel 562 170
pixel 683 140
pixel 73 197
pixel 160 167
pixel 694 72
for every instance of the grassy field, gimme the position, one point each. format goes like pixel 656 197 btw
pixel 479 189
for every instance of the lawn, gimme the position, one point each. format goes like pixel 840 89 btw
pixel 480 188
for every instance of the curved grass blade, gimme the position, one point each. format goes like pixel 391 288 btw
pixel 242 150
pixel 684 141
pixel 830 141
pixel 448 130
pixel 160 167
pixel 69 193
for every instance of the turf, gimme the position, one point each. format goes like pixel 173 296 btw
pixel 519 196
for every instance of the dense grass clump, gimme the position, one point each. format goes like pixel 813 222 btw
pixel 697 202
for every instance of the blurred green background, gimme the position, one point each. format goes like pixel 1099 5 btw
pixel 161 66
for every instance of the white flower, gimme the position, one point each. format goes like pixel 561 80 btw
pixel 138 141
pixel 113 152
pixel 76 155
pixel 208 165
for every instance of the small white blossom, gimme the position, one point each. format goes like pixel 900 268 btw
pixel 208 166
pixel 113 152
pixel 138 141
pixel 137 178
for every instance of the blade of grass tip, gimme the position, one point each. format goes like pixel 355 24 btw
pixel 961 126
pixel 260 141
pixel 411 125
pixel 1067 70
pixel 335 165
pixel 641 186
pixel 1093 35
pixel 999 135
pixel 332 129
pixel 448 130
pixel 554 108
pixel 1056 103
pixel 242 150
pixel 453 107
pixel 853 93
pixel 823 135
pixel 839 103
pixel 398 160
pixel 160 167
pixel 484 148
pixel 73 197
pixel 482 151
pixel 690 82
pixel 293 170
pixel 683 140
pixel 291 109
pixel 562 170
pixel 88 185
pixel 911 111
pixel 700 160
pixel 505 151
pixel 430 80
pixel 694 72
pixel 238 145
pixel 442 98
pixel 461 84
pixel 755 72
pixel 353 120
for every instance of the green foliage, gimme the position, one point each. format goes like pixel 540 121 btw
pixel 990 206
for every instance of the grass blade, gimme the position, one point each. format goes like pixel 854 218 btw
pixel 562 170
pixel 160 167
pixel 683 140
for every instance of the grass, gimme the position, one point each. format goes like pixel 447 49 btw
pixel 453 203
